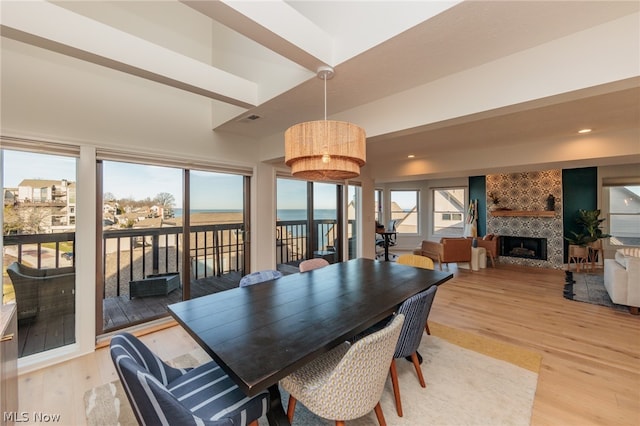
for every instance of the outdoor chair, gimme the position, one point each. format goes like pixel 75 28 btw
pixel 347 382
pixel 43 293
pixel 162 395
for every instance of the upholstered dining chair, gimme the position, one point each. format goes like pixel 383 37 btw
pixel 415 260
pixel 162 395
pixel 311 264
pixel 259 277
pixel 346 383
pixel 415 310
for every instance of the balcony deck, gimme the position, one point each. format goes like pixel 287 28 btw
pixel 38 336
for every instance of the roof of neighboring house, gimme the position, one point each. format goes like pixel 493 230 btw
pixel 40 183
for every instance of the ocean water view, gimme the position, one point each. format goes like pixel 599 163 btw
pixel 282 214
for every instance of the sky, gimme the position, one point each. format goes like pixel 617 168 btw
pixel 127 180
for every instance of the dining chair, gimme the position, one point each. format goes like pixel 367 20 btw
pixel 162 395
pixel 311 264
pixel 347 382
pixel 415 260
pixel 259 277
pixel 415 310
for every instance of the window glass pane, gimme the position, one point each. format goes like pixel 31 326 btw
pixel 448 211
pixel 39 234
pixel 325 217
pixel 142 242
pixel 217 229
pixel 353 212
pixel 404 211
pixel 291 221
pixel 624 215
pixel 378 205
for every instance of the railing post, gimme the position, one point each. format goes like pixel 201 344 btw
pixel 155 250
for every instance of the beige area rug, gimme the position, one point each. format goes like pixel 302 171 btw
pixel 471 380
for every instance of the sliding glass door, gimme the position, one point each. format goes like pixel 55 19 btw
pixel 308 221
pixel 168 234
pixel 38 273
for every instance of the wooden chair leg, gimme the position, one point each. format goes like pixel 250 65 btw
pixel 396 387
pixel 291 408
pixel 379 415
pixel 416 364
pixel 339 422
pixel 254 423
pixel 634 310
pixel 426 328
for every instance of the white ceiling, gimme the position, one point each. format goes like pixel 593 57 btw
pixel 265 55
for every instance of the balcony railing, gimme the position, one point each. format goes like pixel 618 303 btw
pixel 134 253
pixel 216 262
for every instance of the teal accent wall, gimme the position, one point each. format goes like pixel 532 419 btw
pixel 579 191
pixel 477 191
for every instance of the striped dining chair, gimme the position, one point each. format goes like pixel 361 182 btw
pixel 259 277
pixel 162 395
pixel 415 310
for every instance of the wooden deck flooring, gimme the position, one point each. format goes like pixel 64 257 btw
pixel 120 312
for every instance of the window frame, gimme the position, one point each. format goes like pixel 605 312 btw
pixel 452 213
pixel 416 211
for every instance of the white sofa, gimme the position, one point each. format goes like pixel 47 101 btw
pixel 622 278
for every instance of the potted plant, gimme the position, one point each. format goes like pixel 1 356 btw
pixel 590 236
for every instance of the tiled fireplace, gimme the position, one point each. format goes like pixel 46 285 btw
pixel 524 247
pixel 531 239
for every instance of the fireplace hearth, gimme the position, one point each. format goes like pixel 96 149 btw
pixel 524 247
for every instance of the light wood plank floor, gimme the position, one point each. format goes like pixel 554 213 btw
pixel 590 373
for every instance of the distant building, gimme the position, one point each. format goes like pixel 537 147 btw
pixel 44 205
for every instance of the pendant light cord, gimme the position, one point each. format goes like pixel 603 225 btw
pixel 325 97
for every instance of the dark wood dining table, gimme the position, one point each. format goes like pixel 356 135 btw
pixel 261 333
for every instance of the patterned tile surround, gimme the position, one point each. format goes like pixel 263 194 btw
pixel 529 191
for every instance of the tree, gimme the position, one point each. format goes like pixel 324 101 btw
pixel 165 199
pixel 12 222
pixel 109 197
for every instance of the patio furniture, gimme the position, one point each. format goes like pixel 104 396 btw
pixel 43 292
pixel 154 285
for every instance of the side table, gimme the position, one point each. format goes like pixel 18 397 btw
pixel 478 258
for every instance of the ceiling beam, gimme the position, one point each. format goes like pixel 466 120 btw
pixel 51 27
pixel 275 25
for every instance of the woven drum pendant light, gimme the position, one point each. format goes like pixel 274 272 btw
pixel 325 149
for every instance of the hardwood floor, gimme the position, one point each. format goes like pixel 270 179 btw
pixel 590 373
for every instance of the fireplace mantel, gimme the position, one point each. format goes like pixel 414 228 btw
pixel 523 213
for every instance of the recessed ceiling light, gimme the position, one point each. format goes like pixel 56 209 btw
pixel 584 130
pixel 411 156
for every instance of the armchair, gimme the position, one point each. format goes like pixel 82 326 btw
pixel 43 292
pixel 455 250
pixel 491 244
pixel 448 250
